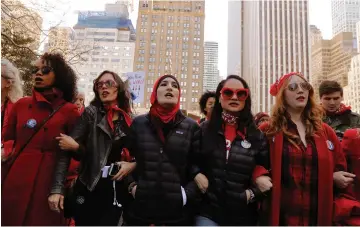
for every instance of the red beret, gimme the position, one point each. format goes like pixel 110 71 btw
pixel 275 88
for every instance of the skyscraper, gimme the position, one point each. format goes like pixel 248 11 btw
pixel 358 36
pixel 211 70
pixel 234 47
pixel 315 35
pixel 345 14
pixel 353 87
pixel 170 40
pixel 274 42
pixel 106 41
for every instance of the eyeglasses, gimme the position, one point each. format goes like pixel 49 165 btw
pixel 107 83
pixel 44 70
pixel 241 94
pixel 304 85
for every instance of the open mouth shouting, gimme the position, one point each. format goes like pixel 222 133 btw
pixel 104 94
pixel 169 95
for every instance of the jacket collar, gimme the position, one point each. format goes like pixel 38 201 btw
pixel 104 125
pixel 39 98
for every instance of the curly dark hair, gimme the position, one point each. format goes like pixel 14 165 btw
pixel 203 100
pixel 65 77
pixel 123 97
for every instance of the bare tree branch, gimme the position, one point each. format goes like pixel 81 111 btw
pixel 19 46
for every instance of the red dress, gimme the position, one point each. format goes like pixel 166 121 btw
pixel 27 186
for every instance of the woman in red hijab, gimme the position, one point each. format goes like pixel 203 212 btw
pixel 306 157
pixel 162 143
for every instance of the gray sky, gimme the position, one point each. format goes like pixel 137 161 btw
pixel 215 18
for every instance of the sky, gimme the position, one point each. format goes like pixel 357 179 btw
pixel 63 12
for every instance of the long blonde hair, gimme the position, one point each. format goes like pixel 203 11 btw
pixel 312 117
pixel 12 74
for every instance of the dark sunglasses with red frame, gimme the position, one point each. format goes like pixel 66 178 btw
pixel 107 83
pixel 241 94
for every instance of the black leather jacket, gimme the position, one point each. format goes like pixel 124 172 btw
pixel 93 134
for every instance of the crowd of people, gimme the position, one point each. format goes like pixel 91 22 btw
pixel 67 164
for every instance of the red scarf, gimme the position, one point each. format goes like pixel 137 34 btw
pixel 342 109
pixel 110 113
pixel 229 119
pixel 156 110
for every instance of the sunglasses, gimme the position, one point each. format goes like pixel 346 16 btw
pixel 304 85
pixel 44 70
pixel 241 94
pixel 107 83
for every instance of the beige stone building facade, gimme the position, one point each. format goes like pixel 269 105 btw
pixel 330 59
pixel 315 35
pixel 353 88
pixel 170 40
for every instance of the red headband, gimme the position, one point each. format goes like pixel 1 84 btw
pixel 275 88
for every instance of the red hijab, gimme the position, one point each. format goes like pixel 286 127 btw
pixel 156 110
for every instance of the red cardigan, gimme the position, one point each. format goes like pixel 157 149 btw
pixel 330 161
pixel 351 146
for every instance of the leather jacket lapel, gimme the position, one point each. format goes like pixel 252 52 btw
pixel 104 125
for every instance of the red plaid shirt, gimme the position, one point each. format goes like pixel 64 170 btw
pixel 299 183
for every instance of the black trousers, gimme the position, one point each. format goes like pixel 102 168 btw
pixel 96 208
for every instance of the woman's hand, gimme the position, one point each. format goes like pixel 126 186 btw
pixel 126 168
pixel 263 183
pixel 3 156
pixel 343 179
pixel 202 182
pixel 56 202
pixel 67 143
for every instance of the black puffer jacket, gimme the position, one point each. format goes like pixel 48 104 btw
pixel 161 171
pixel 225 201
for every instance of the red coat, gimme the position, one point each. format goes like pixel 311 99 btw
pixel 329 161
pixel 8 145
pixel 351 146
pixel 27 186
